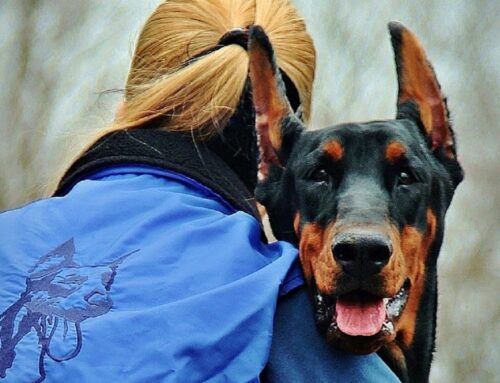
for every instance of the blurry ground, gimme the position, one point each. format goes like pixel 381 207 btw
pixel 57 58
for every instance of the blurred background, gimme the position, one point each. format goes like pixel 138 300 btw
pixel 63 63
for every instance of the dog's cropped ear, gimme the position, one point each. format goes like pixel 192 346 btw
pixel 276 124
pixel 419 94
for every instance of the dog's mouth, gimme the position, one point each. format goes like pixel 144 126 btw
pixel 359 321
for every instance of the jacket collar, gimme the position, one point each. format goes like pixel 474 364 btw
pixel 169 150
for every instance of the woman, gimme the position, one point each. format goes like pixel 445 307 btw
pixel 149 263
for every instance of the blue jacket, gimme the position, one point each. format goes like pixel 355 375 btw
pixel 137 273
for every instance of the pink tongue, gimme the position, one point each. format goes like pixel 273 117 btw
pixel 360 318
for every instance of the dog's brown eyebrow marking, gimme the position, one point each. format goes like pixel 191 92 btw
pixel 334 149
pixel 394 151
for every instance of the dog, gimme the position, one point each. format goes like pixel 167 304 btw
pixel 365 204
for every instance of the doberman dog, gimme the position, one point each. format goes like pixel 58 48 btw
pixel 365 203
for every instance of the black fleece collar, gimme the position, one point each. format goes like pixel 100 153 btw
pixel 173 151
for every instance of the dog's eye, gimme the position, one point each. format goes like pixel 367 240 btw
pixel 405 178
pixel 320 175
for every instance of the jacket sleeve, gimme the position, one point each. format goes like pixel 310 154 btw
pixel 299 354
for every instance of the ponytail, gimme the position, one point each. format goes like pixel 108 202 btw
pixel 171 79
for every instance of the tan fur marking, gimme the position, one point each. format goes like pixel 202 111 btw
pixel 309 246
pixel 334 149
pixel 397 355
pixel 415 248
pixel 316 256
pixel 296 224
pixel 394 151
pixel 394 273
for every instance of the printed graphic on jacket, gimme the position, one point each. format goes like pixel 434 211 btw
pixel 59 292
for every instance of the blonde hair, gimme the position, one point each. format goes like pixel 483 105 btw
pixel 204 93
pixel 168 80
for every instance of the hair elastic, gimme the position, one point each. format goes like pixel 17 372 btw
pixel 238 36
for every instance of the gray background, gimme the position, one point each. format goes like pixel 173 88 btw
pixel 59 58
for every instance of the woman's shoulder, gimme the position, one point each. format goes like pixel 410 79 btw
pixel 131 248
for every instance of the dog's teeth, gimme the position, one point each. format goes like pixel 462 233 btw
pixel 320 304
pixel 386 300
pixel 333 327
pixel 395 306
pixel 388 326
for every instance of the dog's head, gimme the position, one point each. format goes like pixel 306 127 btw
pixel 365 202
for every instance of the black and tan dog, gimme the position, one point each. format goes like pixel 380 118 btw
pixel 365 203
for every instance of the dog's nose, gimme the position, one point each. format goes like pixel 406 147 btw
pixel 362 254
